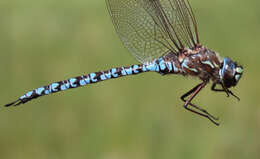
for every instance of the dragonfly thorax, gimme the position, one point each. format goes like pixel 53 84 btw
pixel 230 73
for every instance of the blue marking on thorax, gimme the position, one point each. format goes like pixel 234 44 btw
pixel 54 87
pixel 186 66
pixel 39 90
pixel 108 75
pixel 129 70
pixel 102 76
pixel 123 71
pixel 193 69
pixel 208 63
pixel 72 82
pixel 28 94
pixel 113 72
pixel 199 55
pixel 221 73
pixel 92 77
pixel 135 67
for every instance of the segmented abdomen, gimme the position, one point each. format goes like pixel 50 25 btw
pixel 80 81
pixel 160 65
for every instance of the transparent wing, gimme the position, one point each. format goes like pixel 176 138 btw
pixel 152 28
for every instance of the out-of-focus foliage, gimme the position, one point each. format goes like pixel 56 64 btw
pixel 138 117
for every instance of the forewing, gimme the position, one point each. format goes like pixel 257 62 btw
pixel 152 28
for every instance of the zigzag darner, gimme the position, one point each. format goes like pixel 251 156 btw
pixel 163 36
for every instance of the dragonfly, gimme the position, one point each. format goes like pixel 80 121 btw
pixel 163 36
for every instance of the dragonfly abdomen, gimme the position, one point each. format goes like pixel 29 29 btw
pixel 157 66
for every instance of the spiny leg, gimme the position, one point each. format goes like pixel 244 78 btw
pixel 193 92
pixel 213 88
pixel 197 107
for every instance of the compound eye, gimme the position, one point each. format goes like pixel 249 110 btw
pixel 228 73
pixel 239 70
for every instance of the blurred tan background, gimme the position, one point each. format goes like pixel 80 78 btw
pixel 136 117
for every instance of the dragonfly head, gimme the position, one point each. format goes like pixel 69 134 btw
pixel 230 73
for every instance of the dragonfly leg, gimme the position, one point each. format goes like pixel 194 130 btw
pixel 202 112
pixel 213 88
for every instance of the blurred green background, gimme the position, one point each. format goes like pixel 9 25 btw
pixel 140 117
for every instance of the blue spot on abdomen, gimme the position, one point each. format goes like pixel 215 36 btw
pixel 28 94
pixel 63 87
pixel 72 82
pixel 162 65
pixel 54 87
pixel 92 77
pixel 103 77
pixel 82 82
pixel 135 67
pixel 113 72
pixel 129 70
pixel 108 75
pixel 123 71
pixel 39 90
